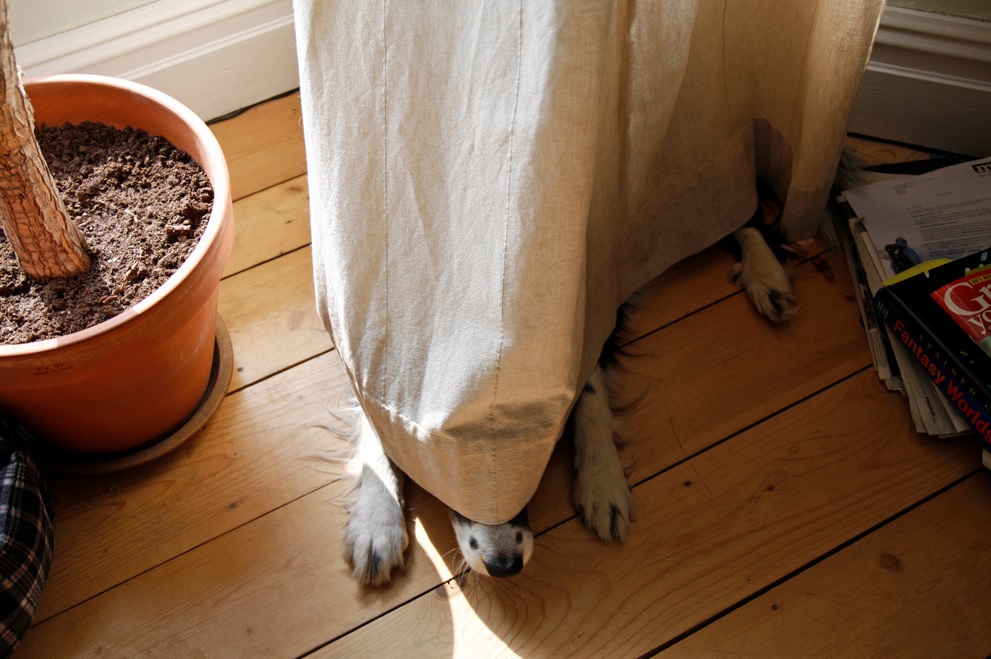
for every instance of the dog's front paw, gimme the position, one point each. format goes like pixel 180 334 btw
pixel 769 288
pixel 376 536
pixel 604 500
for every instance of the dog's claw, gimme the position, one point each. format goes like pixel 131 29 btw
pixel 778 306
pixel 617 524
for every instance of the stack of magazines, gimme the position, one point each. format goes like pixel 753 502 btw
pixel 919 249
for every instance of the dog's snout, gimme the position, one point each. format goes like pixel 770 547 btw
pixel 494 550
pixel 505 566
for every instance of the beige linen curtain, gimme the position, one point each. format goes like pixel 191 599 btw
pixel 489 181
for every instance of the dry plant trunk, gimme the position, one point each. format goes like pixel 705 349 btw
pixel 47 242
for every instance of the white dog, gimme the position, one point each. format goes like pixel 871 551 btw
pixel 376 535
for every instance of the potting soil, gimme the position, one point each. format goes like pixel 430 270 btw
pixel 141 204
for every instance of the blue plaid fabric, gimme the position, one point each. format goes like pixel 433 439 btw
pixel 25 535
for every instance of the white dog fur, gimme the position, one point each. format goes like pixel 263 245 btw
pixel 376 537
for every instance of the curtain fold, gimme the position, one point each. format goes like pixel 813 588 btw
pixel 490 181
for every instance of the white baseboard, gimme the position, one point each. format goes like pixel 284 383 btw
pixel 928 83
pixel 215 56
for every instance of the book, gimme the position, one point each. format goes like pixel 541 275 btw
pixel 930 326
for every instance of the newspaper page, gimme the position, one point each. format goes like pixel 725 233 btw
pixel 943 214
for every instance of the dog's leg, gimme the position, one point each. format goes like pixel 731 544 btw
pixel 767 284
pixel 601 494
pixel 376 535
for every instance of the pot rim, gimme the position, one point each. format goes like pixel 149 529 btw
pixel 213 163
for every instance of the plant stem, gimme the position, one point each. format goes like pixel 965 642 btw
pixel 46 240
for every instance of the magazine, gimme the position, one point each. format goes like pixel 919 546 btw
pixel 967 301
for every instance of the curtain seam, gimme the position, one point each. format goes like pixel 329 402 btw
pixel 385 186
pixel 509 197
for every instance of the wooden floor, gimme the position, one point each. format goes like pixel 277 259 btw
pixel 786 506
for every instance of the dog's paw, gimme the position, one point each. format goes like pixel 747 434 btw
pixel 603 499
pixel 376 537
pixel 768 286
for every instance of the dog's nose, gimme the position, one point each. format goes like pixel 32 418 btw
pixel 505 566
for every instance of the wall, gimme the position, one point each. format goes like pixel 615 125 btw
pixel 31 20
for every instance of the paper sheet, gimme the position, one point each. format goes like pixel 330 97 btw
pixel 943 214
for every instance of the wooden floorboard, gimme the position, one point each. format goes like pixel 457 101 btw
pixel 272 318
pixel 264 145
pixel 786 505
pixel 903 591
pixel 267 445
pixel 725 368
pixel 269 224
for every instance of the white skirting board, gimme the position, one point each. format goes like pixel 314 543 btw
pixel 215 56
pixel 928 83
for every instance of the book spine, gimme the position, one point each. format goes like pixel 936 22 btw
pixel 964 367
pixel 912 335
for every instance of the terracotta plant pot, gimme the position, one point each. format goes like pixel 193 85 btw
pixel 135 378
